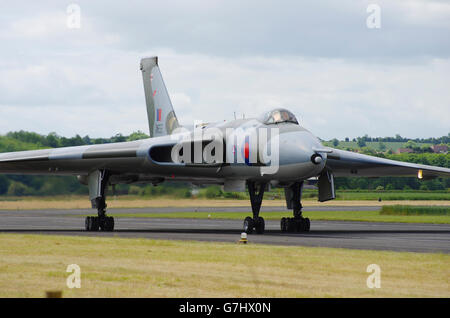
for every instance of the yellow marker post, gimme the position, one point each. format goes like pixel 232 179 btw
pixel 243 239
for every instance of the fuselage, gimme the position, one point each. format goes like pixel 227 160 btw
pixel 134 161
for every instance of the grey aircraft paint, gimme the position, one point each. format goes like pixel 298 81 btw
pixel 161 116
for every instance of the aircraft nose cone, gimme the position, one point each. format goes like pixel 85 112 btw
pixel 297 156
pixel 297 147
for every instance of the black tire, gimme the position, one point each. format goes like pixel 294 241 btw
pixel 298 225
pixel 248 225
pixel 95 223
pixel 101 223
pixel 88 223
pixel 109 224
pixel 283 225
pixel 291 225
pixel 307 224
pixel 260 225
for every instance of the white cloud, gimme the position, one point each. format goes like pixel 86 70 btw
pixel 425 13
pixel 333 98
pixel 340 79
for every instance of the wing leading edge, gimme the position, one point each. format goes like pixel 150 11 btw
pixel 120 157
pixel 345 163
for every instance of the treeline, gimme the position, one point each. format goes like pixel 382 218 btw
pixel 400 183
pixel 398 138
pixel 20 185
pixel 23 140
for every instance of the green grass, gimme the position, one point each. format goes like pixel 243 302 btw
pixel 370 195
pixel 363 216
pixel 393 195
pixel 414 210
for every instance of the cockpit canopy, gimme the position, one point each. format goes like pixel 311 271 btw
pixel 278 115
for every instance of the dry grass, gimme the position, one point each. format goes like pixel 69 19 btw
pixel 81 202
pixel 117 267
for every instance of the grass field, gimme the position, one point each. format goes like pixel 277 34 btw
pixel 393 195
pixel 117 267
pixel 366 216
pixel 414 210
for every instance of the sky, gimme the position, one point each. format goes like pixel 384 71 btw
pixel 323 60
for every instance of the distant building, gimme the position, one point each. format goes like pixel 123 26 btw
pixel 404 150
pixel 439 148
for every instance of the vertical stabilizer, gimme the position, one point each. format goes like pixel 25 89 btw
pixel 161 117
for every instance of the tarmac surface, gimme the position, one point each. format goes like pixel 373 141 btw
pixel 337 234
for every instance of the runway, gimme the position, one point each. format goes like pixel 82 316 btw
pixel 337 234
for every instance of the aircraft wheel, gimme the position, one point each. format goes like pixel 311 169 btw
pixel 105 223
pixel 307 224
pixel 91 223
pixel 299 225
pixel 249 224
pixel 283 225
pixel 87 223
pixel 95 223
pixel 259 225
pixel 302 225
pixel 109 224
pixel 291 225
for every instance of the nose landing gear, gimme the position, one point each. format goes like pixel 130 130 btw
pixel 256 223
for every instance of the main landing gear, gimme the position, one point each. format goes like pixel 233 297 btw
pixel 293 200
pixel 98 183
pixel 256 223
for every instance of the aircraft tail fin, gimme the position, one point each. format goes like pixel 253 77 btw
pixel 161 116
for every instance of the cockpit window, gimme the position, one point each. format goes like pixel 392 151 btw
pixel 279 115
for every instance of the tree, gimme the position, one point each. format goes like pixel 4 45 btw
pixel 137 135
pixel 52 140
pixel 361 142
pixel 4 184
pixel 87 140
pixel 18 189
pixel 335 142
pixel 411 144
pixel 119 138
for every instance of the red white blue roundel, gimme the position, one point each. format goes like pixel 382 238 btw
pixel 246 150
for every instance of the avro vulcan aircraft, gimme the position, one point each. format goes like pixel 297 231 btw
pixel 284 155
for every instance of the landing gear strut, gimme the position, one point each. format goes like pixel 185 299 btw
pixel 256 223
pixel 293 200
pixel 98 183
